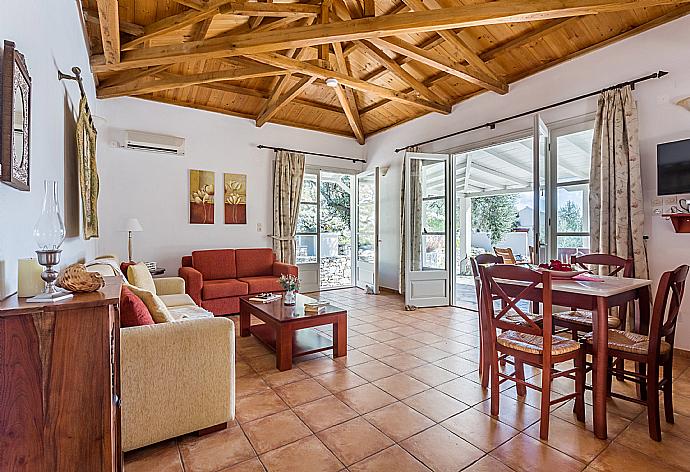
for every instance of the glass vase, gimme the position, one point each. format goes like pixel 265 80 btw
pixel 289 298
pixel 50 229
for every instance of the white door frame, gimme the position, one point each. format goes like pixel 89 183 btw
pixel 376 172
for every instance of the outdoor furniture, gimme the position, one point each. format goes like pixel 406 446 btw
pixel 474 264
pixel 651 352
pixel 284 328
pixel 506 254
pixel 598 297
pixel 527 341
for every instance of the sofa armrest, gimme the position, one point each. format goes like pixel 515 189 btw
pixel 280 268
pixel 169 285
pixel 193 282
pixel 176 378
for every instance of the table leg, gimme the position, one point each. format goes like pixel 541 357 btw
pixel 283 348
pixel 340 337
pixel 600 364
pixel 245 322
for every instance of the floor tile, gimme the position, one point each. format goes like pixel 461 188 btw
pixel 432 375
pixel 162 456
pixel 324 413
pixel 215 451
pixel 457 365
pixel 488 464
pixel 281 378
pixel 636 436
pixel 274 431
pixel 340 380
pixel 617 458
pixel 571 439
pixel 373 370
pixel 398 421
pixel 479 429
pixel 512 412
pixel 402 361
pixel 401 385
pixel 252 465
pixel 428 353
pixel 394 458
pixel 435 405
pixel 365 398
pixel 257 406
pixel 379 350
pixel 301 392
pixel 465 390
pixel 308 455
pixel 354 440
pixel 319 366
pixel 249 385
pixel 441 450
pixel 526 454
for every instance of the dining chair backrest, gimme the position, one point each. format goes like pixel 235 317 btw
pixel 492 279
pixel 475 262
pixel 665 314
pixel 615 264
pixel 505 253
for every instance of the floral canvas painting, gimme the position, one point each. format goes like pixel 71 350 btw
pixel 201 196
pixel 235 199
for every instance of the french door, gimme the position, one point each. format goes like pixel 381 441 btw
pixel 540 171
pixel 367 230
pixel 427 229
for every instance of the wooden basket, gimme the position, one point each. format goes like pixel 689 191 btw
pixel 76 278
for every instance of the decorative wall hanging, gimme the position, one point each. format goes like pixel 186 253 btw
pixel 235 199
pixel 201 196
pixel 88 173
pixel 15 119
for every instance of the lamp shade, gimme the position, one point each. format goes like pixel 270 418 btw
pixel 132 224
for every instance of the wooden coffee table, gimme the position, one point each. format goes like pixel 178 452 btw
pixel 285 328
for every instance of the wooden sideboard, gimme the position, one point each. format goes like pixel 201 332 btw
pixel 60 383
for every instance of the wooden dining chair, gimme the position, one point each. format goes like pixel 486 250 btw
pixel 528 341
pixel 475 262
pixel 506 254
pixel 651 352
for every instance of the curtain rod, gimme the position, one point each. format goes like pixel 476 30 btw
pixel 492 124
pixel 353 159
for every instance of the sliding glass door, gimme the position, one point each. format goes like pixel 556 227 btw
pixel 367 230
pixel 324 230
pixel 427 229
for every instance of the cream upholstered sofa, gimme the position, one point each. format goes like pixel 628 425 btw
pixel 178 377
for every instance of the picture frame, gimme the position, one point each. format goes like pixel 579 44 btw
pixel 15 119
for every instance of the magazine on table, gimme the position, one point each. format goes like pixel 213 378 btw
pixel 265 297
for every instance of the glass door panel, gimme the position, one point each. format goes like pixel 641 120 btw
pixel 335 230
pixel 367 230
pixel 427 229
pixel 540 170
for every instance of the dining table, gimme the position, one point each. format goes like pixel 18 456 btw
pixel 596 294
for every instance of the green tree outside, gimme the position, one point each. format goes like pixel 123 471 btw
pixel 570 221
pixel 495 214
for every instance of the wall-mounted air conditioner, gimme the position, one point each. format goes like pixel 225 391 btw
pixel 160 143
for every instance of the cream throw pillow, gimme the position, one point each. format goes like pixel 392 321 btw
pixel 159 312
pixel 139 276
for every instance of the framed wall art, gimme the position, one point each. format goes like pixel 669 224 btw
pixel 235 199
pixel 201 197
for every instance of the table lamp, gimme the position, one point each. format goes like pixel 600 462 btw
pixel 131 225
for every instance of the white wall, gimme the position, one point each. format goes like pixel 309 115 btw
pixel 665 47
pixel 49 34
pixel 154 187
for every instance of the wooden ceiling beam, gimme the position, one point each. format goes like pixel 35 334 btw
pixel 547 27
pixel 270 9
pixel 176 22
pixel 440 62
pixel 193 4
pixel 428 82
pixel 373 52
pixel 284 99
pixel 109 21
pixel 130 76
pixel 369 10
pixel 346 96
pixel 91 16
pixel 173 81
pixel 292 65
pixel 499 11
pixel 200 30
pixel 430 43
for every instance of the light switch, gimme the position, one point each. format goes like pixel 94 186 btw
pixel 259 227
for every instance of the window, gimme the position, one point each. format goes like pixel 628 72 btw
pixel 307 222
pixel 570 208
pixel 433 215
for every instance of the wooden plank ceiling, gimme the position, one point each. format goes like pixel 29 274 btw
pixel 392 60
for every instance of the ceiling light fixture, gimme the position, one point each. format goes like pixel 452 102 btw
pixel 332 82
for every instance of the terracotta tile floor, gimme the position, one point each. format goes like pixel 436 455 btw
pixel 407 398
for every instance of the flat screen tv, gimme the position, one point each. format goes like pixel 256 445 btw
pixel 673 167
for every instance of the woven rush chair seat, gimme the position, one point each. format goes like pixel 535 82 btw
pixel 534 344
pixel 584 318
pixel 630 342
pixel 514 317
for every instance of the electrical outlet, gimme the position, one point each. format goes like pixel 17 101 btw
pixel 259 227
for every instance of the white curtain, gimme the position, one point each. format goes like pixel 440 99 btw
pixel 287 189
pixel 615 197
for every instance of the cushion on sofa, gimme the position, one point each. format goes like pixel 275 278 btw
pixel 215 264
pixel 139 276
pixel 159 312
pixel 254 262
pixel 177 299
pixel 133 311
pixel 265 283
pixel 223 288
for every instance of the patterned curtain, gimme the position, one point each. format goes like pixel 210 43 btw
pixel 88 173
pixel 287 188
pixel 615 197
pixel 415 217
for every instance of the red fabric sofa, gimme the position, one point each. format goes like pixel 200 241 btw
pixel 216 278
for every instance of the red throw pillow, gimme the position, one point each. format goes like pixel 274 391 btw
pixel 133 312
